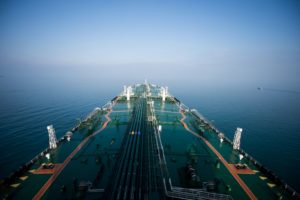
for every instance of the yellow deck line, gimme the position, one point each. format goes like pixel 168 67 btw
pixel 271 185
pixel 23 178
pixel 262 177
pixel 15 185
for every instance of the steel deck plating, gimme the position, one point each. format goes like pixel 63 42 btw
pixel 145 144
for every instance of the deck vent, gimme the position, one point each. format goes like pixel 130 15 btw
pixel 237 138
pixel 52 137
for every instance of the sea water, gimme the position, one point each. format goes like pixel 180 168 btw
pixel 269 118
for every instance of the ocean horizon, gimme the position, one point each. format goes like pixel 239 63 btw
pixel 269 118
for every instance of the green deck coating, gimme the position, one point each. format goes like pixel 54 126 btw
pixel 103 153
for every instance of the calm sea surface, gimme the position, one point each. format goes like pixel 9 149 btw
pixel 270 119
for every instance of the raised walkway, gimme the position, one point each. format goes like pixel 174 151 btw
pixel 226 164
pixel 51 180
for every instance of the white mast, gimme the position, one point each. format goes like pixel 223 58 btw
pixel 125 89
pixel 163 91
pixel 237 138
pixel 52 137
pixel 128 93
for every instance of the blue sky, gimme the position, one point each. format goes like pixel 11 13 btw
pixel 215 41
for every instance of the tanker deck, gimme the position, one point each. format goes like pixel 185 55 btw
pixel 144 144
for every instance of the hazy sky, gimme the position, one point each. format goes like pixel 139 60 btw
pixel 204 41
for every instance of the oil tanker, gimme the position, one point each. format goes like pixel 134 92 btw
pixel 144 144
